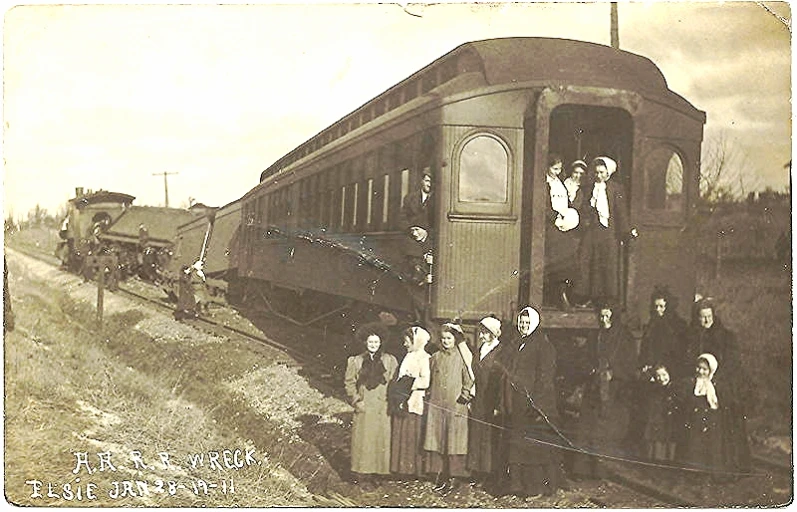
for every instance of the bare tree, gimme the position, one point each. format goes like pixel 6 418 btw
pixel 726 174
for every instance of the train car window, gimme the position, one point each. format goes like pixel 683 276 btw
pixel 329 213
pixel 483 171
pixel 664 173
pixel 355 196
pixel 369 201
pixel 385 199
pixel 342 220
pixel 405 182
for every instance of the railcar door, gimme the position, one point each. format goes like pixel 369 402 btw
pixel 479 246
pixel 574 127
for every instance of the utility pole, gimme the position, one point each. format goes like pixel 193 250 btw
pixel 165 184
pixel 615 31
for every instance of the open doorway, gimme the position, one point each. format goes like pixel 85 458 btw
pixel 580 132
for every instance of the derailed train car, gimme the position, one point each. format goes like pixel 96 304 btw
pixel 212 239
pixel 324 223
pixel 143 237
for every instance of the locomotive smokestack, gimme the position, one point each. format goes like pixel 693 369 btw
pixel 78 191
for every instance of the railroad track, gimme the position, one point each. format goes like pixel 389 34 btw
pixel 623 486
pixel 319 371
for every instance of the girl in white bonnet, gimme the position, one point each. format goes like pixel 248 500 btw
pixel 406 457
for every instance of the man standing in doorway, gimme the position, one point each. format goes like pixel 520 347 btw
pixel 417 217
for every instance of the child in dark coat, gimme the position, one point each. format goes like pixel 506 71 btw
pixel 701 444
pixel 660 426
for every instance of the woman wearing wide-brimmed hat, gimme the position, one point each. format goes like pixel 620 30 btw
pixel 367 377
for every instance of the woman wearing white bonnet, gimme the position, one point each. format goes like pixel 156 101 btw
pixel 604 224
pixel 406 454
pixel 530 405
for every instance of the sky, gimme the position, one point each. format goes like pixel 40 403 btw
pixel 112 96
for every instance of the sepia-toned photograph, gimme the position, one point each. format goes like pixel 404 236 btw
pixel 457 255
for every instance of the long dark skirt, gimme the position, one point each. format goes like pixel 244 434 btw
pixel 534 460
pixel 598 264
pixel 561 262
pixel 406 446
pixel 531 479
pixel 446 465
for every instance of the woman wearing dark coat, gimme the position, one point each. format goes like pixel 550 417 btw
pixel 367 375
pixel 604 222
pixel 530 406
pixel 664 343
pixel 186 301
pixel 710 336
pixel 604 417
pixel 664 340
pixel 486 453
pixel 701 402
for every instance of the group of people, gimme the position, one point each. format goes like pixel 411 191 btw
pixel 490 412
pixel 457 414
pixel 587 224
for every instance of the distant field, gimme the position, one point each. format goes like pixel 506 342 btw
pixel 41 239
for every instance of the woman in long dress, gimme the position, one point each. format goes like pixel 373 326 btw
pixel 702 401
pixel 710 336
pixel 561 243
pixel 367 376
pixel 486 450
pixel 446 440
pixel 530 404
pixel 406 449
pixel 604 416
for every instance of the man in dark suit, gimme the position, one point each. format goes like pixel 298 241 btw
pixel 417 212
pixel 604 223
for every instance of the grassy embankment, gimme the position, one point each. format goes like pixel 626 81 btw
pixel 72 388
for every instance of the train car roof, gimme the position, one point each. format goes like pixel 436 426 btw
pixel 161 222
pixel 101 196
pixel 547 61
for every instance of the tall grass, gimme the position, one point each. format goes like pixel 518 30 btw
pixel 67 391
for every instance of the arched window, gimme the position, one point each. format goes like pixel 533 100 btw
pixel 664 172
pixel 483 171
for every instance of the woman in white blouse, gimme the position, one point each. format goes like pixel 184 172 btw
pixel 560 242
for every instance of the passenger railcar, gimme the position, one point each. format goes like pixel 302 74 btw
pixel 325 218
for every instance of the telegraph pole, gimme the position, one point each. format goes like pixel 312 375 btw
pixel 165 184
pixel 615 31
